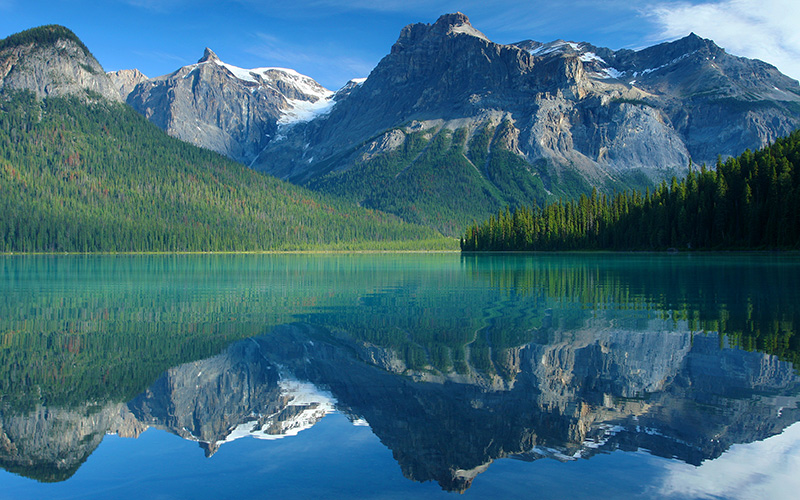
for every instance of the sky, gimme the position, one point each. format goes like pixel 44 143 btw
pixel 333 41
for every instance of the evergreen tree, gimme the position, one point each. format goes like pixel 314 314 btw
pixel 749 202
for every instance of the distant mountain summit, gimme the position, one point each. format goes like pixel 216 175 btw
pixel 599 111
pixel 125 80
pixel 529 121
pixel 228 109
pixel 52 61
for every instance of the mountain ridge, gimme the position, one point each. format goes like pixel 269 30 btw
pixel 451 127
pixel 230 110
pixel 566 117
pixel 83 172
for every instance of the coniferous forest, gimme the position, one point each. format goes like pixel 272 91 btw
pixel 87 175
pixel 748 202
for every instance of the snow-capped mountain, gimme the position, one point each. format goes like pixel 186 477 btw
pixel 228 109
pixel 451 127
pixel 572 116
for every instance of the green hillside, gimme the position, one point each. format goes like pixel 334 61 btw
pixel 86 175
pixel 449 180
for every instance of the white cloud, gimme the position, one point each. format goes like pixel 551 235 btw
pixel 765 469
pixel 761 29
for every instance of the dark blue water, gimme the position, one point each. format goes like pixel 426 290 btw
pixel 398 375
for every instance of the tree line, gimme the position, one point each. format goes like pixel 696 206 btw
pixel 748 202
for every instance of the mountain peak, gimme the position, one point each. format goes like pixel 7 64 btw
pixel 694 42
pixel 52 61
pixel 456 23
pixel 209 55
pixel 446 26
pixel 454 19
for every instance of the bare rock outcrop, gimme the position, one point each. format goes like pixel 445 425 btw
pixel 52 62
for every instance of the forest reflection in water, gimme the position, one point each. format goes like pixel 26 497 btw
pixel 452 361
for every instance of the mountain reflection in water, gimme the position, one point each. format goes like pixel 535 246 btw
pixel 452 366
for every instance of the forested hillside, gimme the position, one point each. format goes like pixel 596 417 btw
pixel 86 175
pixel 446 179
pixel 749 202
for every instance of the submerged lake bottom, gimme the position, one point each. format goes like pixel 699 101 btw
pixel 399 375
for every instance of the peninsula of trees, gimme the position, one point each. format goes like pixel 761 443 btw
pixel 748 202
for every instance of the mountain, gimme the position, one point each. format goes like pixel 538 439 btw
pixel 51 61
pixel 450 126
pixel 81 171
pixel 125 80
pixel 749 202
pixel 230 110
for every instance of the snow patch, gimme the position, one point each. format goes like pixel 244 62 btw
pixel 303 84
pixel 613 73
pixel 309 404
pixel 608 431
pixel 549 48
pixel 670 63
pixel 591 56
pixel 240 73
pixel 304 111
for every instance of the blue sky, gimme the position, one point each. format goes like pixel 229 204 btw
pixel 333 41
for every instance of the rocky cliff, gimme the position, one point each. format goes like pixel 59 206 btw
pixel 52 61
pixel 582 107
pixel 450 127
pixel 50 444
pixel 125 80
pixel 231 110
pixel 235 394
pixel 529 121
pixel 595 391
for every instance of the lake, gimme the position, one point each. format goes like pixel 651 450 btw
pixel 400 375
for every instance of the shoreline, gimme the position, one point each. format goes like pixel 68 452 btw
pixel 485 252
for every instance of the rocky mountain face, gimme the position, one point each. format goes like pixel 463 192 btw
pixel 529 120
pixel 231 110
pixel 52 61
pixel 125 80
pixel 450 127
pixel 578 106
pixel 50 444
pixel 235 394
pixel 584 392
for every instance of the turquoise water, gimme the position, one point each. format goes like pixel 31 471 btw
pixel 397 375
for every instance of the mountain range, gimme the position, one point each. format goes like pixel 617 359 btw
pixel 80 171
pixel 451 127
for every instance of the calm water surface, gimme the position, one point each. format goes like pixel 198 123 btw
pixel 400 375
